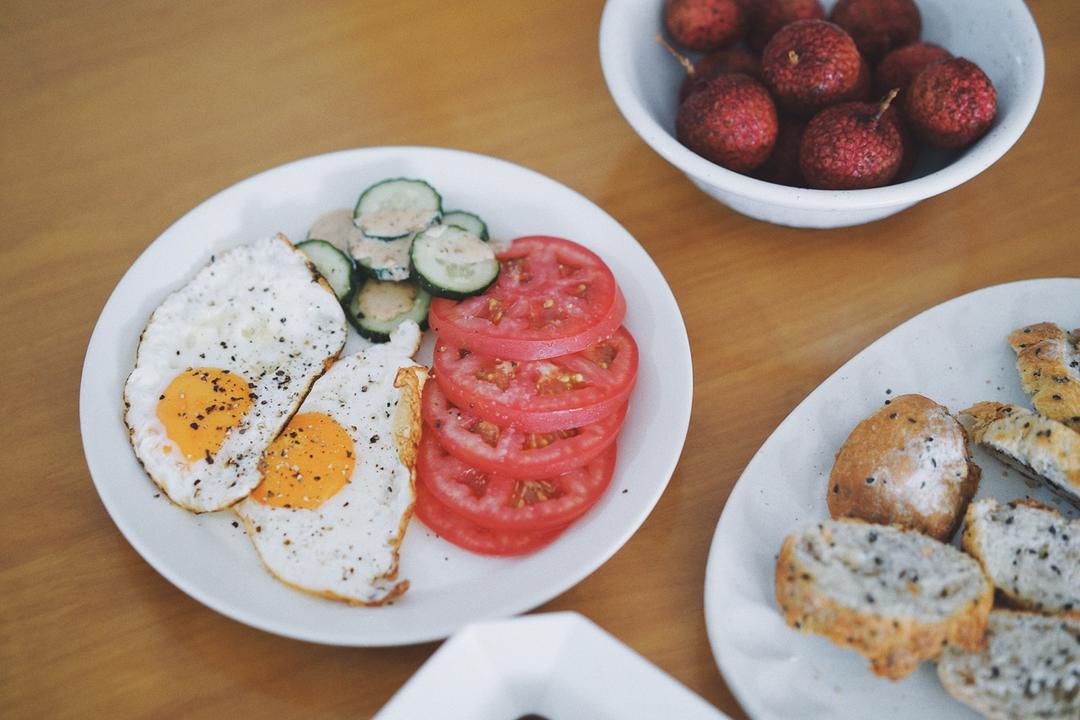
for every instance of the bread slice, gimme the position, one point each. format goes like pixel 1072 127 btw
pixel 1030 552
pixel 896 596
pixel 1029 669
pixel 1036 446
pixel 1049 366
pixel 906 464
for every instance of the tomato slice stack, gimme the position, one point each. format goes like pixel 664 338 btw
pixel 531 385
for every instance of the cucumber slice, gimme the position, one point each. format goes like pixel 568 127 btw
pixel 382 259
pixel 331 263
pixel 379 307
pixel 396 208
pixel 453 263
pixel 335 227
pixel 466 221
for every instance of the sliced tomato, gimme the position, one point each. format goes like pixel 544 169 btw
pixel 565 391
pixel 553 297
pixel 507 450
pixel 475 538
pixel 506 503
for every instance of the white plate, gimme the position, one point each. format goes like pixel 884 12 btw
pixel 955 354
pixel 556 665
pixel 206 557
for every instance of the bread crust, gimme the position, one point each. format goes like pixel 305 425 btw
pixel 908 464
pixel 1049 367
pixel 1035 595
pixel 895 646
pixel 970 691
pixel 1039 447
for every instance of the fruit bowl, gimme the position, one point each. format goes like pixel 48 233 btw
pixel 999 35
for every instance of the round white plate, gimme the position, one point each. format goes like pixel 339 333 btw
pixel 955 354
pixel 208 558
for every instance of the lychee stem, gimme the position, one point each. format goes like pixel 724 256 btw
pixel 885 102
pixel 683 60
pixel 792 57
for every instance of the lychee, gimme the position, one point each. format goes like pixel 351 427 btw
pixel 908 142
pixel 810 64
pixel 878 26
pixel 900 66
pixel 731 121
pixel 706 24
pixel 725 60
pixel 782 167
pixel 863 83
pixel 851 146
pixel 768 16
pixel 951 103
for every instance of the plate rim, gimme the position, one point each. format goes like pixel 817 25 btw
pixel 240 613
pixel 578 628
pixel 746 699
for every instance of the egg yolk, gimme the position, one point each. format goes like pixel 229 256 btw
pixel 307 464
pixel 200 406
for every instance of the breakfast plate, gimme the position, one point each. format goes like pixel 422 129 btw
pixel 209 557
pixel 955 354
pixel 553 665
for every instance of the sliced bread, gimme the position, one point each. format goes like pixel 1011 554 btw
pixel 1029 669
pixel 1030 552
pixel 1049 367
pixel 896 596
pixel 1035 445
pixel 906 464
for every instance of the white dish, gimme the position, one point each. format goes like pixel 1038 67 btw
pixel 999 35
pixel 208 558
pixel 955 354
pixel 556 665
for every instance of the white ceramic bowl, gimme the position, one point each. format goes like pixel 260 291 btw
pixel 999 35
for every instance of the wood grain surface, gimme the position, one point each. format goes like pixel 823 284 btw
pixel 117 117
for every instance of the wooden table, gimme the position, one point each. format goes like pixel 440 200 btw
pixel 118 117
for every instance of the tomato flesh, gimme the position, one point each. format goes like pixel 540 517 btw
pixel 553 297
pixel 566 391
pixel 511 451
pixel 475 538
pixel 506 503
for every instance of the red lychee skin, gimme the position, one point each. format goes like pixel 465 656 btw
pixel 768 16
pixel 705 24
pixel 726 60
pixel 810 64
pixel 951 103
pixel 782 167
pixel 878 26
pixel 863 82
pixel 900 66
pixel 731 121
pixel 850 146
pixel 908 143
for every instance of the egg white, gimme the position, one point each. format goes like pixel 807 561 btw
pixel 258 310
pixel 347 548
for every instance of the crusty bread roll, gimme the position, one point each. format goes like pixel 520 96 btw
pixel 1049 366
pixel 1029 669
pixel 896 596
pixel 1030 552
pixel 1038 447
pixel 907 464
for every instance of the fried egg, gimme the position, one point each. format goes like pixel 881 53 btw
pixel 338 486
pixel 222 365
